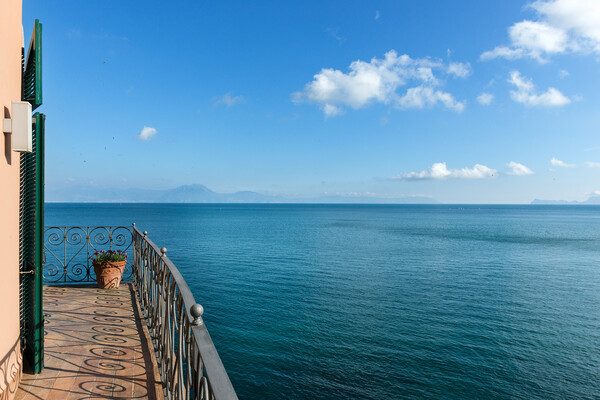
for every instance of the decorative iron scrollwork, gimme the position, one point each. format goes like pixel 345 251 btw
pixel 189 365
pixel 68 250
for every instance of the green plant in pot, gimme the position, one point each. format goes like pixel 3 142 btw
pixel 109 266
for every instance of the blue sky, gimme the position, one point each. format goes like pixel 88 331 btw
pixel 466 102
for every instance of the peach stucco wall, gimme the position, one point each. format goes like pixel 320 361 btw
pixel 11 41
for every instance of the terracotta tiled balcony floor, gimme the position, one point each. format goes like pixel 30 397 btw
pixel 96 347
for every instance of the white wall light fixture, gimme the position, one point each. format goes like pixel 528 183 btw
pixel 20 126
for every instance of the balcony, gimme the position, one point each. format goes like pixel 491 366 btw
pixel 145 339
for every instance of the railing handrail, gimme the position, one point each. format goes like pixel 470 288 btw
pixel 209 368
pixel 217 377
pixel 184 289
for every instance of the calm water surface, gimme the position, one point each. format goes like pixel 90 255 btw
pixel 387 302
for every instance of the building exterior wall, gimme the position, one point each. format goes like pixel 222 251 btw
pixel 11 42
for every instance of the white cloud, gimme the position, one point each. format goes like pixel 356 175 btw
pixel 562 26
pixel 502 52
pixel 422 96
pixel 377 15
pixel 459 70
pixel 331 110
pixel 525 93
pixel 581 18
pixel 441 171
pixel 563 73
pixel 593 164
pixel 485 99
pixel 229 100
pixel 146 133
pixel 378 81
pixel 537 39
pixel 558 163
pixel 518 169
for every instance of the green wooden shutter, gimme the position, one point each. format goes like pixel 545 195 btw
pixel 32 74
pixel 31 232
pixel 32 249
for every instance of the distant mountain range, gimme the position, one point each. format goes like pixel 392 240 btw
pixel 201 194
pixel 593 200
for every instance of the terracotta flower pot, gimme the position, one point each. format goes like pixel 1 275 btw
pixel 108 275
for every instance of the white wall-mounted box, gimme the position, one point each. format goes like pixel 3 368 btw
pixel 20 126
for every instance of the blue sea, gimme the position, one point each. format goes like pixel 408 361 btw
pixel 384 301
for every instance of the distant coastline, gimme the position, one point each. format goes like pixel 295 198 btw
pixel 593 200
pixel 200 194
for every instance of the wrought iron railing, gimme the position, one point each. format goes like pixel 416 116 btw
pixel 189 365
pixel 68 249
